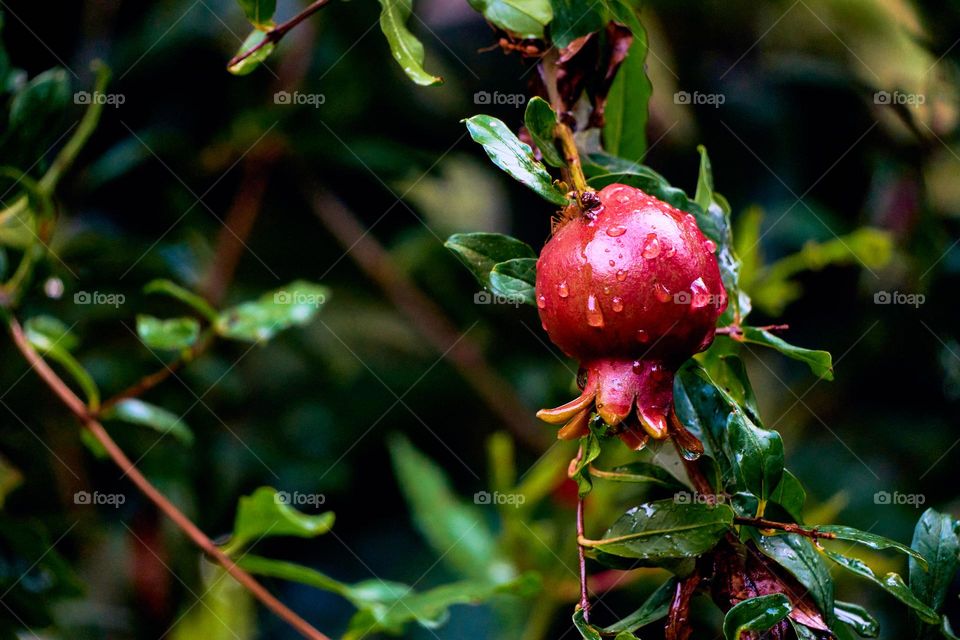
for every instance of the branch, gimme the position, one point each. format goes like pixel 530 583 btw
pixel 274 35
pixel 789 527
pixel 200 539
pixel 734 330
pixel 581 550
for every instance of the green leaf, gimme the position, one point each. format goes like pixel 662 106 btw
pixel 820 362
pixel 51 339
pixel 36 112
pixel 892 583
pixel 481 252
pixel 666 529
pixel 797 555
pixel 641 473
pixel 252 61
pixel 291 571
pixel 407 50
pixel 858 618
pixel 655 607
pixel 946 629
pixel 541 122
pixel 587 632
pixel 293 305
pixel 515 279
pixel 456 530
pixel 573 19
pixel 523 18
pixel 172 289
pixel 755 614
pixel 228 611
pixel 790 495
pixel 513 156
pixel 267 513
pixel 704 195
pixel 580 472
pixel 757 455
pixel 704 411
pixel 626 111
pixel 935 538
pixel 173 334
pixel 136 411
pixel 871 540
pixel 259 12
pixel 730 374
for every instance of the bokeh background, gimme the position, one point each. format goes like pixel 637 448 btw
pixel 802 146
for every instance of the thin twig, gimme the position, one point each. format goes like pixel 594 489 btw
pixel 275 34
pixel 735 330
pixel 581 550
pixel 573 172
pixel 789 527
pixel 200 539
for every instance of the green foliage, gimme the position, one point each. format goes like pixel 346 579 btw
pixel 797 555
pixel 259 12
pixel 515 279
pixel 580 470
pixel 293 305
pixel 654 608
pixel 755 614
pixel 267 512
pixel 407 50
pixel 820 362
pixel 541 122
pixel 935 538
pixel 858 618
pixel 136 411
pixel 261 50
pixel 504 265
pixel 625 115
pixel 172 334
pixel 53 340
pixel 522 18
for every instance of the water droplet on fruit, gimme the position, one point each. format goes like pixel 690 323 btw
pixel 701 296
pixel 662 293
pixel 594 314
pixel 623 199
pixel 690 218
pixel 606 290
pixel 562 290
pixel 710 246
pixel 643 336
pixel 616 231
pixel 668 250
pixel 613 263
pixel 617 304
pixel 651 247
pixel 541 301
pixel 621 275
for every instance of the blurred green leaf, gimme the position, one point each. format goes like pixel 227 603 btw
pixel 136 411
pixel 254 40
pixel 227 611
pixel 10 479
pixel 523 18
pixel 541 122
pixel 481 252
pixel 797 555
pixel 573 19
pixel 642 473
pixel 858 618
pixel 293 305
pixel 457 531
pixel 935 538
pixel 37 111
pixel 655 607
pixel 515 279
pixel 259 12
pixel 626 111
pixel 51 338
pixel 172 334
pixel 820 362
pixel 267 513
pixel 666 529
pixel 892 583
pixel 513 156
pixel 871 540
pixel 172 289
pixel 407 50
pixel 755 614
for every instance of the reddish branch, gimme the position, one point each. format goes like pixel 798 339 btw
pixel 789 527
pixel 275 34
pixel 200 539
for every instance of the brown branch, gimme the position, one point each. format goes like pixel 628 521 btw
pixel 789 527
pixel 274 35
pixel 581 550
pixel 735 330
pixel 428 319
pixel 200 539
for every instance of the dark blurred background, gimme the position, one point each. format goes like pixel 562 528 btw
pixel 801 146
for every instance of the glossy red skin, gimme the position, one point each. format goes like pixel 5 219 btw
pixel 650 323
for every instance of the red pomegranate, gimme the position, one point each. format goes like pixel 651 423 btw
pixel 631 290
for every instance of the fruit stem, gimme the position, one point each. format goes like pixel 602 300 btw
pixel 581 553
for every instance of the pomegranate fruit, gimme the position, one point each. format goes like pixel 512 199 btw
pixel 632 290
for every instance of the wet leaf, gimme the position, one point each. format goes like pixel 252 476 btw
pixel 797 555
pixel 293 305
pixel 654 608
pixel 790 495
pixel 541 122
pixel 173 334
pixel 820 362
pixel 871 540
pixel 481 252
pixel 755 614
pixel 935 538
pixel 757 455
pixel 136 411
pixel 515 280
pixel 513 156
pixel 858 618
pixel 407 50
